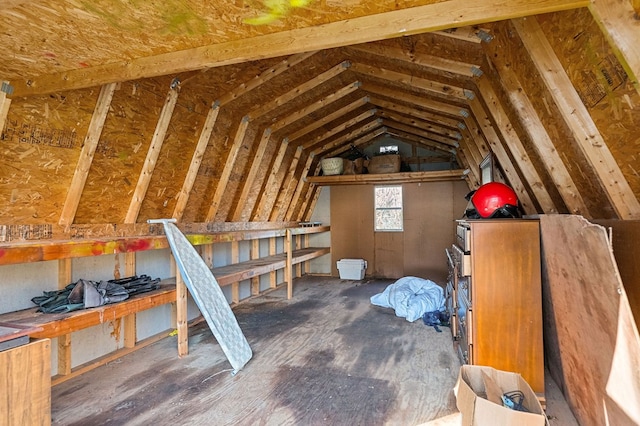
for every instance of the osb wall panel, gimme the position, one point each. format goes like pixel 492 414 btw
pixel 121 151
pixel 41 144
pixel 506 50
pixel 603 86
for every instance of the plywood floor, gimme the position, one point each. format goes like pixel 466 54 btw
pixel 326 357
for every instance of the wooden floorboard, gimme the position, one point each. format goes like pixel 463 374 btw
pixel 325 357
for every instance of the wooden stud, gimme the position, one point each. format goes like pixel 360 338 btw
pixel 152 157
pixel 361 140
pixel 255 254
pixel 413 117
pixel 64 341
pixel 412 127
pixel 419 137
pixel 339 128
pixel 182 327
pixel 273 275
pixel 5 103
pixel 288 270
pixel 413 111
pixel 577 118
pixel 196 160
pixel 235 258
pixel 429 104
pixel 352 134
pixel 86 155
pixel 130 331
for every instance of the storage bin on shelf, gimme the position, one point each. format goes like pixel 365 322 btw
pixel 352 269
pixel 389 163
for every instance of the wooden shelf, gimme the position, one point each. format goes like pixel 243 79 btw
pixel 229 274
pixel 401 177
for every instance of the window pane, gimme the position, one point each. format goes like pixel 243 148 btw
pixel 389 220
pixel 388 197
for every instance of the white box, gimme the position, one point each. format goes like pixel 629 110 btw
pixel 352 269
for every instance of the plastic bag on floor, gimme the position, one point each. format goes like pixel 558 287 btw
pixel 411 297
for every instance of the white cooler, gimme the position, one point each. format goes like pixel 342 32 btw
pixel 352 269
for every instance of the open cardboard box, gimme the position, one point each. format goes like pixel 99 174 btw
pixel 478 397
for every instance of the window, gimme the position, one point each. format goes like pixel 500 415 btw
pixel 388 208
pixel 389 149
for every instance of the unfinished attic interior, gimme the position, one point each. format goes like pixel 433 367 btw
pixel 220 115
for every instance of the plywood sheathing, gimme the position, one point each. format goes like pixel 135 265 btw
pixel 593 347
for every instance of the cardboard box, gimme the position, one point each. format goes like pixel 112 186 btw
pixel 479 393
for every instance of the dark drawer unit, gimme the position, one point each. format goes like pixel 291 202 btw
pixel 494 298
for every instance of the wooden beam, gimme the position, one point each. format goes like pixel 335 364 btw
pixel 301 89
pixel 264 77
pixel 429 104
pixel 228 168
pixel 424 60
pixel 619 22
pixel 542 142
pixel 577 118
pixel 413 117
pixel 152 156
pixel 86 155
pixel 430 86
pixel 288 212
pixel 130 326
pixel 370 135
pixel 287 186
pixel 438 119
pixel 5 103
pixel 339 128
pixel 352 134
pixel 396 129
pixel 328 118
pixel 196 160
pixel 412 126
pixel 261 212
pixel 252 175
pixel 503 157
pixel 514 145
pixel 396 23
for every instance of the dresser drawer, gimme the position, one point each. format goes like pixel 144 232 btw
pixel 462 259
pixel 463 236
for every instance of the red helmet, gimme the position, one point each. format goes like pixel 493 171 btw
pixel 494 199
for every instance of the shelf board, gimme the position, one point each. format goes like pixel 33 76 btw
pixel 401 177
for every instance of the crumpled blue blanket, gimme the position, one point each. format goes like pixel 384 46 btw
pixel 411 297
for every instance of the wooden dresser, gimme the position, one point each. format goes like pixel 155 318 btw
pixel 494 296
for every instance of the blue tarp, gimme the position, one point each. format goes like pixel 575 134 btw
pixel 411 297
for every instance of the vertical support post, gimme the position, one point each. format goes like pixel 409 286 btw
pixel 181 318
pixel 273 275
pixel 288 270
pixel 64 341
pixel 235 258
pixel 255 254
pixel 130 332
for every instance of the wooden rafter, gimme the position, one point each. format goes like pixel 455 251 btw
pixel 402 22
pixel 328 118
pixel 543 144
pixel 429 104
pixel 353 133
pixel 424 60
pixel 440 120
pixel 264 77
pixel 286 185
pixel 261 211
pixel 413 118
pixel 152 156
pixel 196 160
pixel 5 103
pixel 393 129
pixel 503 157
pixel 86 155
pixel 361 140
pixel 421 128
pixel 228 168
pixel 575 114
pixel 288 212
pixel 515 146
pixel 429 86
pixel 400 177
pixel 339 128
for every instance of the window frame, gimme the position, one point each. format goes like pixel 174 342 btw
pixel 376 209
